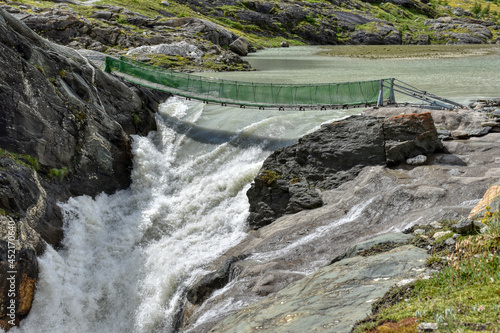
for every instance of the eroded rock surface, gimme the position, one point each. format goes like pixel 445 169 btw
pixel 332 299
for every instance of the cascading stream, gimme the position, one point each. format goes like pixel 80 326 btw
pixel 127 257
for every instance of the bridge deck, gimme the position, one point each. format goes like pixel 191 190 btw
pixel 249 94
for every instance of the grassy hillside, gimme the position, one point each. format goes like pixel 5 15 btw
pixel 267 23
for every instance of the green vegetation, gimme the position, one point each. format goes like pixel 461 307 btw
pixel 269 177
pixel 461 297
pixel 408 51
pixel 20 159
pixel 60 174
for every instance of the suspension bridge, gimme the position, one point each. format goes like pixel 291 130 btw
pixel 266 95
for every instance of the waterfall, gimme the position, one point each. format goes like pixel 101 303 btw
pixel 127 257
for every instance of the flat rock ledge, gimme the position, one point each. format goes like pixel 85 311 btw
pixel 333 298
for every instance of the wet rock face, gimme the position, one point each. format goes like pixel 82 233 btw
pixel 331 299
pixel 291 178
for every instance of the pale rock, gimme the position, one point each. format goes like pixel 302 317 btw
pixel 417 160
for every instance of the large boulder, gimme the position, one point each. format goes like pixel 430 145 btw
pixel 292 178
pixel 181 48
pixel 241 46
pixel 410 135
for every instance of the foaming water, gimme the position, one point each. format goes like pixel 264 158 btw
pixel 128 257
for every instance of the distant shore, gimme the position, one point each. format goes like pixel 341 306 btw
pixel 409 51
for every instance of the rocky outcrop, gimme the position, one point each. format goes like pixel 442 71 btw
pixel 460 30
pixel 182 49
pixel 111 32
pixel 377 34
pixel 199 292
pixel 291 178
pixel 65 130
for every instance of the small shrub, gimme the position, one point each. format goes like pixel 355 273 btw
pixel 310 19
pixel 476 8
pixel 269 177
pixel 60 174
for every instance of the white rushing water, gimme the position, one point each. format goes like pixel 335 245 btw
pixel 128 256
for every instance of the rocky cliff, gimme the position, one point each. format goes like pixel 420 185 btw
pixel 65 130
pixel 299 271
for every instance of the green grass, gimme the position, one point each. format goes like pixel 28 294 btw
pixel 60 174
pixel 20 159
pixel 461 297
pixel 409 51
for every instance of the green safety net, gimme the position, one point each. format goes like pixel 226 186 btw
pixel 249 93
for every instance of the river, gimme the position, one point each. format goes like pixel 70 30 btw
pixel 128 257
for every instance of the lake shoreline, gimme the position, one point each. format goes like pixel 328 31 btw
pixel 408 52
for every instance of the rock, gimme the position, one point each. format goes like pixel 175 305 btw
pixel 182 49
pixel 417 160
pixel 410 136
pixel 463 226
pixel 285 44
pixel 323 159
pixel 427 327
pixel 478 131
pixel 490 199
pixel 394 239
pixel 19 286
pixel 202 289
pixel 379 34
pixel 449 242
pixel 102 15
pixel 444 134
pixel 290 178
pixel 459 134
pixel 165 3
pixel 342 291
pixel 436 225
pixel 440 234
pixel 419 231
pixel 471 32
pixel 206 29
pixel 378 199
pixel 240 46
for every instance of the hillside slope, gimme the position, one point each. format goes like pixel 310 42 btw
pixel 213 34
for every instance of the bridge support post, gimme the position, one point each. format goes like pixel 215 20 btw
pixel 380 100
pixel 392 98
